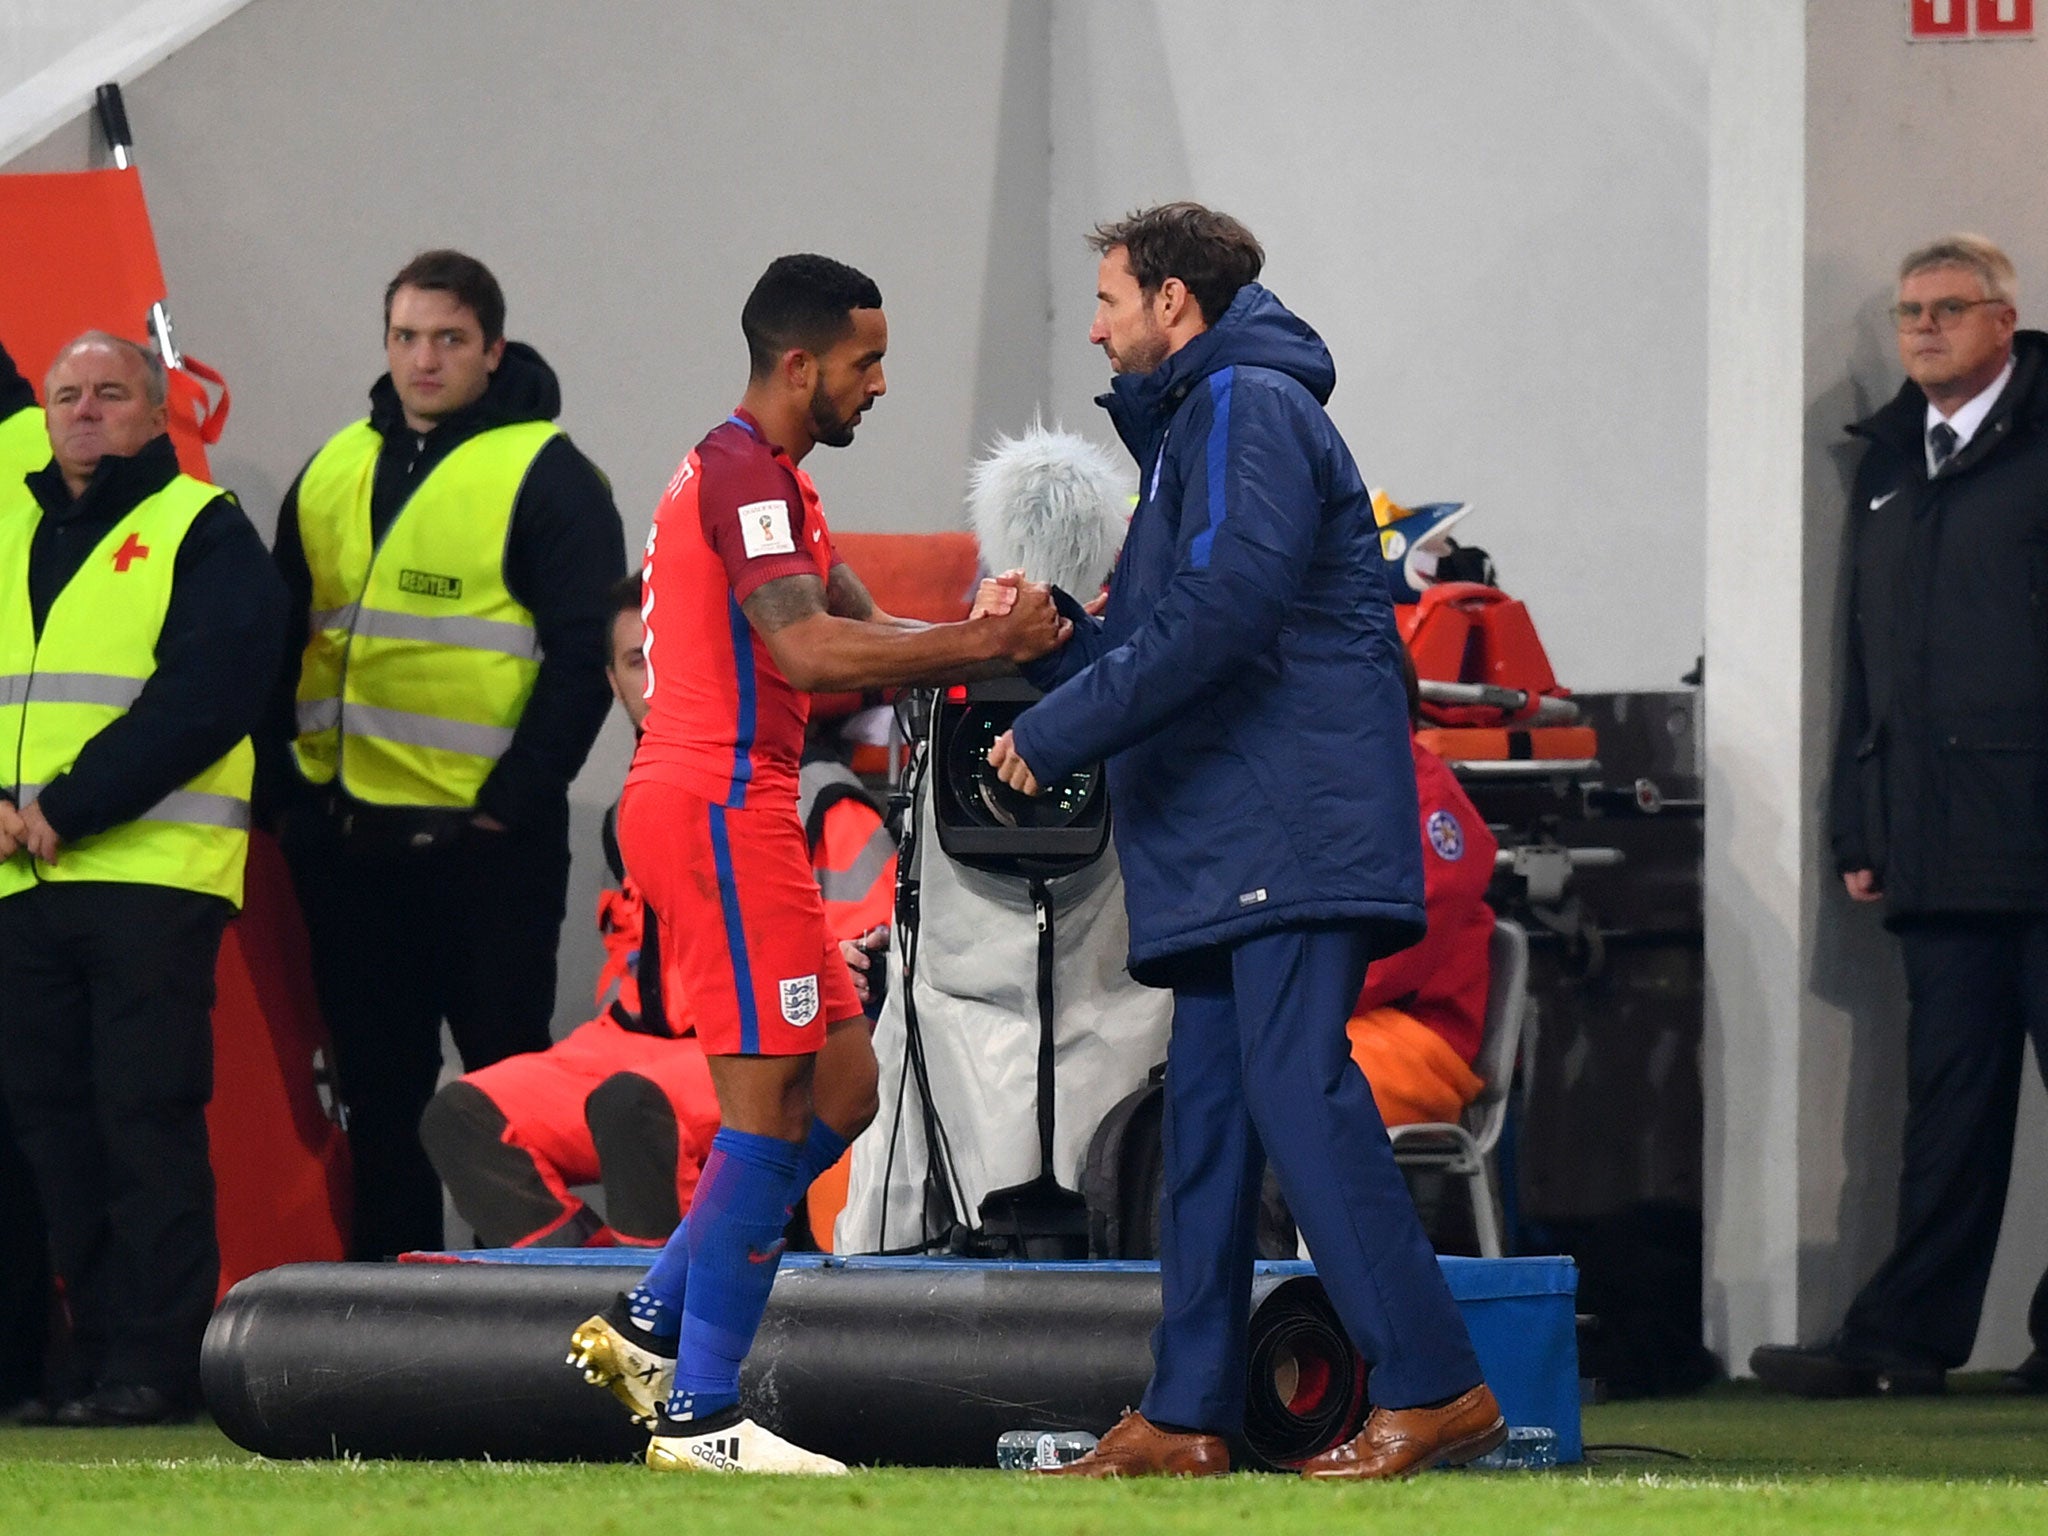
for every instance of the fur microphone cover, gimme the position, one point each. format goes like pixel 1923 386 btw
pixel 1051 504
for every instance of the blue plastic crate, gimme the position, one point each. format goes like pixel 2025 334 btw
pixel 1521 1315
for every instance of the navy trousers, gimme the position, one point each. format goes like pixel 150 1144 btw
pixel 1258 1068
pixel 1978 988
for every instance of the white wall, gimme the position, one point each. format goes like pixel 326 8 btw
pixel 1760 842
pixel 1495 213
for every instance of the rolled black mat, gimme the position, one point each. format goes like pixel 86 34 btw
pixel 910 1364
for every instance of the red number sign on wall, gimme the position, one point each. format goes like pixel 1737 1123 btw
pixel 1941 18
pixel 2004 18
pixel 1951 20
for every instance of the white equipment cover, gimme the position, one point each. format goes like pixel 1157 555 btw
pixel 1051 504
pixel 977 1012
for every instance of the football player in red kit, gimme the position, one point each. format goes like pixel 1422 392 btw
pixel 748 611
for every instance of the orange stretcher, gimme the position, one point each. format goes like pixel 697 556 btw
pixel 1488 693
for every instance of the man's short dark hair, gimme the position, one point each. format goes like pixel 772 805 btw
pixel 465 278
pixel 625 595
pixel 803 302
pixel 1210 252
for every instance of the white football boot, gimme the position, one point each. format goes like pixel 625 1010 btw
pixel 743 1446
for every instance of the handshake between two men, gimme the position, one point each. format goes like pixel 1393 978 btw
pixel 1002 596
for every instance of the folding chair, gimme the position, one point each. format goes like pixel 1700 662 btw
pixel 1465 1150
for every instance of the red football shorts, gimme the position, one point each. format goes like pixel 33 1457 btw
pixel 742 922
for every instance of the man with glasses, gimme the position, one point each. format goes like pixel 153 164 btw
pixel 1940 799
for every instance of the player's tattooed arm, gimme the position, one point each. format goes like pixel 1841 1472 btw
pixel 777 604
pixel 820 650
pixel 847 597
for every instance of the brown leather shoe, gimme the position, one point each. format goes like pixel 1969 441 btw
pixel 1137 1447
pixel 1396 1443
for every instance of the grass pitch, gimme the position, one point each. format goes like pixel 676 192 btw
pixel 1973 1462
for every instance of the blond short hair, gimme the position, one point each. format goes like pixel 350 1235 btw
pixel 1973 254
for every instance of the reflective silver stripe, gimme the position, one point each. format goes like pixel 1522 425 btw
pixel 410 730
pixel 200 808
pixel 498 635
pixel 858 878
pixel 196 806
pixel 318 715
pixel 330 618
pixel 70 688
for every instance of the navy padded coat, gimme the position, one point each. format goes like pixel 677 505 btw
pixel 1244 682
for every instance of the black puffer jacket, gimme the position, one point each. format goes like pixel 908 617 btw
pixel 1941 767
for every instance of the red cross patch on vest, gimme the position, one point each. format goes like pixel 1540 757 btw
pixel 129 552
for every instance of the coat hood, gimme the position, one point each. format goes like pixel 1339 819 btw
pixel 1257 331
pixel 523 388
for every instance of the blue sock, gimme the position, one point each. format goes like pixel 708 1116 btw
pixel 735 1243
pixel 821 1149
pixel 656 1303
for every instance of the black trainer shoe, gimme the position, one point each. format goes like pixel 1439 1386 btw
pixel 1836 1369
pixel 2030 1375
pixel 120 1405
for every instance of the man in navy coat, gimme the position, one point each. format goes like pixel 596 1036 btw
pixel 1244 686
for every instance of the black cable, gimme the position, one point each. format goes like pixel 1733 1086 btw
pixel 1591 1451
pixel 942 1175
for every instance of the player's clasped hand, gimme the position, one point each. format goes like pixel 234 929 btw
pixel 1033 626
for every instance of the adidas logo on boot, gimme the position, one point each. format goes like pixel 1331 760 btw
pixel 734 1445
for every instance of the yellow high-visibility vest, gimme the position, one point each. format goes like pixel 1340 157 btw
pixel 419 660
pixel 24 447
pixel 97 649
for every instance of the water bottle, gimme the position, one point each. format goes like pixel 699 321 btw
pixel 1041 1450
pixel 1528 1448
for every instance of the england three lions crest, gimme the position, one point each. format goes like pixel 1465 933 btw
pixel 800 1000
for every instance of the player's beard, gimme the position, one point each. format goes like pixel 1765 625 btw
pixel 827 425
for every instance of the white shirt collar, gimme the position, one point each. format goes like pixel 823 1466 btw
pixel 1969 416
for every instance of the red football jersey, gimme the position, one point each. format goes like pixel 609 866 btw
pixel 723 722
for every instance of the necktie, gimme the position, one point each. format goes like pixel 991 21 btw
pixel 1941 437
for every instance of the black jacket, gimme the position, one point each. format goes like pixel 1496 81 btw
pixel 16 393
pixel 1941 766
pixel 564 551
pixel 219 648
